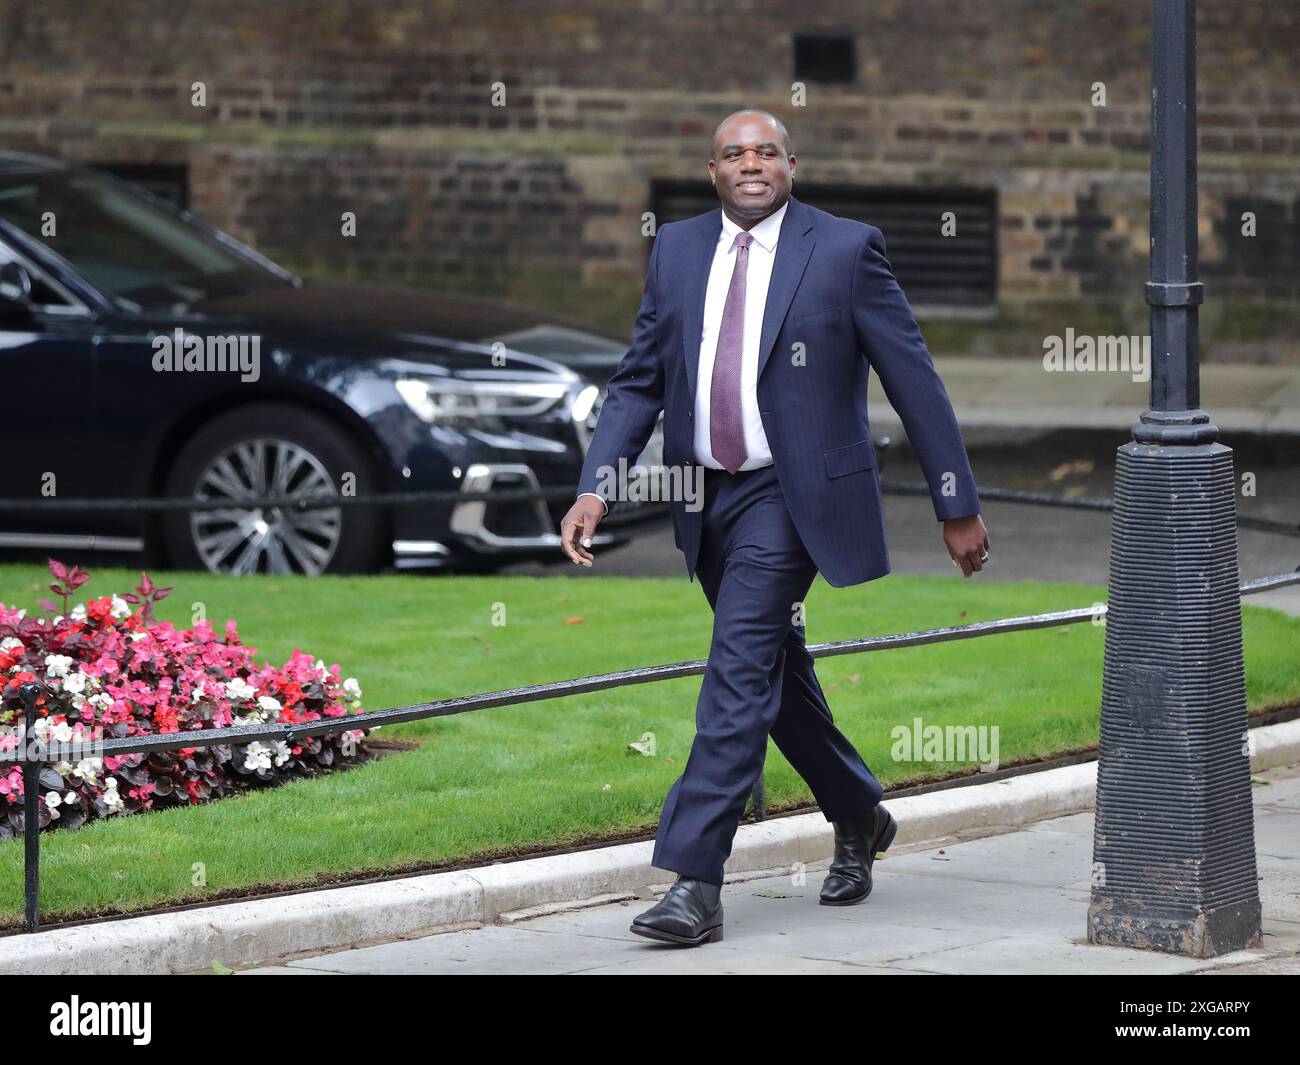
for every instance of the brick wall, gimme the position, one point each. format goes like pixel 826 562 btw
pixel 385 109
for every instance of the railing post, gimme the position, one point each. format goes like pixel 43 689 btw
pixel 29 693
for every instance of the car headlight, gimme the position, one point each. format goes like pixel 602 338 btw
pixel 453 400
pixel 584 404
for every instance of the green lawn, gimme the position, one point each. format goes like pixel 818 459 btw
pixel 500 781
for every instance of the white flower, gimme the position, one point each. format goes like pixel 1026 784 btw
pixel 352 687
pixel 197 693
pixel 10 643
pixel 70 798
pixel 103 700
pixel 52 801
pixel 268 703
pixel 78 612
pixel 61 732
pixel 136 637
pixel 111 797
pixel 75 682
pixel 22 614
pixel 88 769
pixel 281 750
pixel 257 757
pixel 320 665
pixel 239 689
pixel 120 607
pixel 57 665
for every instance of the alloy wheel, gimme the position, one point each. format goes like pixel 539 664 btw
pixel 239 540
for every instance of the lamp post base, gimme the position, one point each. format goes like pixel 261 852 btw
pixel 1194 933
pixel 1174 843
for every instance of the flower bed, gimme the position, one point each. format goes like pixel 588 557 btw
pixel 108 669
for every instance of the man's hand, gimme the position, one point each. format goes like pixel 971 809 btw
pixel 968 542
pixel 578 526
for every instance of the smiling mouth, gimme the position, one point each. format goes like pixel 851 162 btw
pixel 751 186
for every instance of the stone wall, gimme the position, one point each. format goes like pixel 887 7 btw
pixel 386 109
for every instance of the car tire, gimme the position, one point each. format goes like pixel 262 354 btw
pixel 301 450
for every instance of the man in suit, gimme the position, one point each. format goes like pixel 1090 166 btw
pixel 759 322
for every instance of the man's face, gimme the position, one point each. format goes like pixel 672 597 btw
pixel 750 168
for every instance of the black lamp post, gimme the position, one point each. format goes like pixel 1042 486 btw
pixel 1174 846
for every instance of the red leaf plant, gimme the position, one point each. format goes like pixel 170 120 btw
pixel 106 666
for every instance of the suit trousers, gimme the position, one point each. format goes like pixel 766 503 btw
pixel 759 680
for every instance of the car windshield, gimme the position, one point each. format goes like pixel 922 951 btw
pixel 123 244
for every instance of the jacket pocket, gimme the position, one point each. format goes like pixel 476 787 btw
pixel 850 458
pixel 826 314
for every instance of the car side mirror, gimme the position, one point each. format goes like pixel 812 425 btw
pixel 15 292
pixel 14 288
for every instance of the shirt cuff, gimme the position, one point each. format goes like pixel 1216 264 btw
pixel 593 494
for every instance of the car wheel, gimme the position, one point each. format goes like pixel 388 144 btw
pixel 272 450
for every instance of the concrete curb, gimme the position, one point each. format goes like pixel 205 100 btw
pixel 244 933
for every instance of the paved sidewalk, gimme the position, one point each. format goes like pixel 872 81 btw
pixel 1008 902
pixel 998 394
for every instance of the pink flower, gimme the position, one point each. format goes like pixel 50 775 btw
pixel 144 676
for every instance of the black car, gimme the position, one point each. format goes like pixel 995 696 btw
pixel 145 353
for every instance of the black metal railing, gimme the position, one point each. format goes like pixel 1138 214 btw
pixel 513 495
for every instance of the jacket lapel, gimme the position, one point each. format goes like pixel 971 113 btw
pixel 792 252
pixel 702 249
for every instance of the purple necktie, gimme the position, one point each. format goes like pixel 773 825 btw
pixel 726 429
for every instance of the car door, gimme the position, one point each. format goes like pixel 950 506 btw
pixel 53 410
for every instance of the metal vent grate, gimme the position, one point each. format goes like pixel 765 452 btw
pixel 825 57
pixel 937 272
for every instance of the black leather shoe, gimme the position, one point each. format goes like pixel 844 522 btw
pixel 690 913
pixel 856 847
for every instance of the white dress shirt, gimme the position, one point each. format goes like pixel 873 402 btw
pixel 762 254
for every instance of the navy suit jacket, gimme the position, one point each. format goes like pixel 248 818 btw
pixel 833 310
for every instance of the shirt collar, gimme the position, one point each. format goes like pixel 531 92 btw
pixel 764 234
